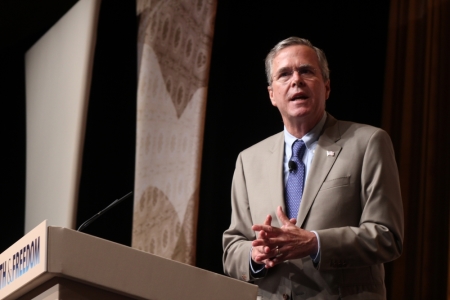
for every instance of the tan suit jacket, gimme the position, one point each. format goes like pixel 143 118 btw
pixel 352 199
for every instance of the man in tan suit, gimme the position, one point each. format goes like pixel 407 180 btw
pixel 350 217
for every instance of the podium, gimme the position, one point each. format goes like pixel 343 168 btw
pixel 74 265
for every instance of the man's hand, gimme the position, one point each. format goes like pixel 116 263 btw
pixel 258 252
pixel 275 245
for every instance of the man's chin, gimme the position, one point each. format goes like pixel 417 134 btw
pixel 300 113
pixel 304 115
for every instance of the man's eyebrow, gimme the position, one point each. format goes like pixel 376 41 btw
pixel 282 70
pixel 306 66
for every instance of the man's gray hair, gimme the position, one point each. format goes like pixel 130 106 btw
pixel 293 41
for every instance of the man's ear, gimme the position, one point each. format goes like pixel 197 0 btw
pixel 272 99
pixel 327 89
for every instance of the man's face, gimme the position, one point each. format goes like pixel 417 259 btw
pixel 298 89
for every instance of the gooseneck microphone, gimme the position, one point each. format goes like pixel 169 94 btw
pixel 292 166
pixel 92 219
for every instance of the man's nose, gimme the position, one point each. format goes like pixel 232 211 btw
pixel 297 79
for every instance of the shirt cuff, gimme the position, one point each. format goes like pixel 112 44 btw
pixel 261 267
pixel 316 257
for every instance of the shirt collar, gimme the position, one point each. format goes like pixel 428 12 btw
pixel 309 138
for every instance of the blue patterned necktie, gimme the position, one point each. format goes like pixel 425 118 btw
pixel 296 180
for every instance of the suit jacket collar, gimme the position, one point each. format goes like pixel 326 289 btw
pixel 276 168
pixel 321 165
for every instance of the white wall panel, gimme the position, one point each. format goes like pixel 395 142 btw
pixel 58 77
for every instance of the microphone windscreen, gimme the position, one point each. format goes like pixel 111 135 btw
pixel 292 166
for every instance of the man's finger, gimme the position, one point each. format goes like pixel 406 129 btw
pixel 262 234
pixel 262 253
pixel 268 220
pixel 259 242
pixel 282 216
pixel 261 257
pixel 270 263
pixel 266 228
pixel 259 250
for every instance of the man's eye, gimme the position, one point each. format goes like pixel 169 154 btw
pixel 306 71
pixel 284 74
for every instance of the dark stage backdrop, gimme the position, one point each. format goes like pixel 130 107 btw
pixel 109 150
pixel 353 34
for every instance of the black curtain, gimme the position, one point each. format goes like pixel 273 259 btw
pixel 415 113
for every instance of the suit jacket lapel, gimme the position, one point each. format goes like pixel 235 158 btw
pixel 276 184
pixel 321 165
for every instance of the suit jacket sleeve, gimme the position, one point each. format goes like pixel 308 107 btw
pixel 237 239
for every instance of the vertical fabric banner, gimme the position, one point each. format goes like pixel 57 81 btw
pixel 174 50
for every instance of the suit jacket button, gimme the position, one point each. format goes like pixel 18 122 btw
pixel 286 297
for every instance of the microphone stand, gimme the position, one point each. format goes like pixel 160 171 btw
pixel 92 219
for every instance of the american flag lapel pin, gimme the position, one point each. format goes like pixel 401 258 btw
pixel 330 153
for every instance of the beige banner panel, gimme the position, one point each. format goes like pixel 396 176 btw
pixel 58 76
pixel 174 50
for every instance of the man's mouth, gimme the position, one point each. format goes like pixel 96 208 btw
pixel 299 96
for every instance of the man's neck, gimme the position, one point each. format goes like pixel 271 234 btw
pixel 299 128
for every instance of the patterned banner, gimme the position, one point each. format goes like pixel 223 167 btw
pixel 174 49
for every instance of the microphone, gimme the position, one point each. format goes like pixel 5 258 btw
pixel 92 219
pixel 292 166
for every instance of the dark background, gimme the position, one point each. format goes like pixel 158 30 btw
pixel 353 35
